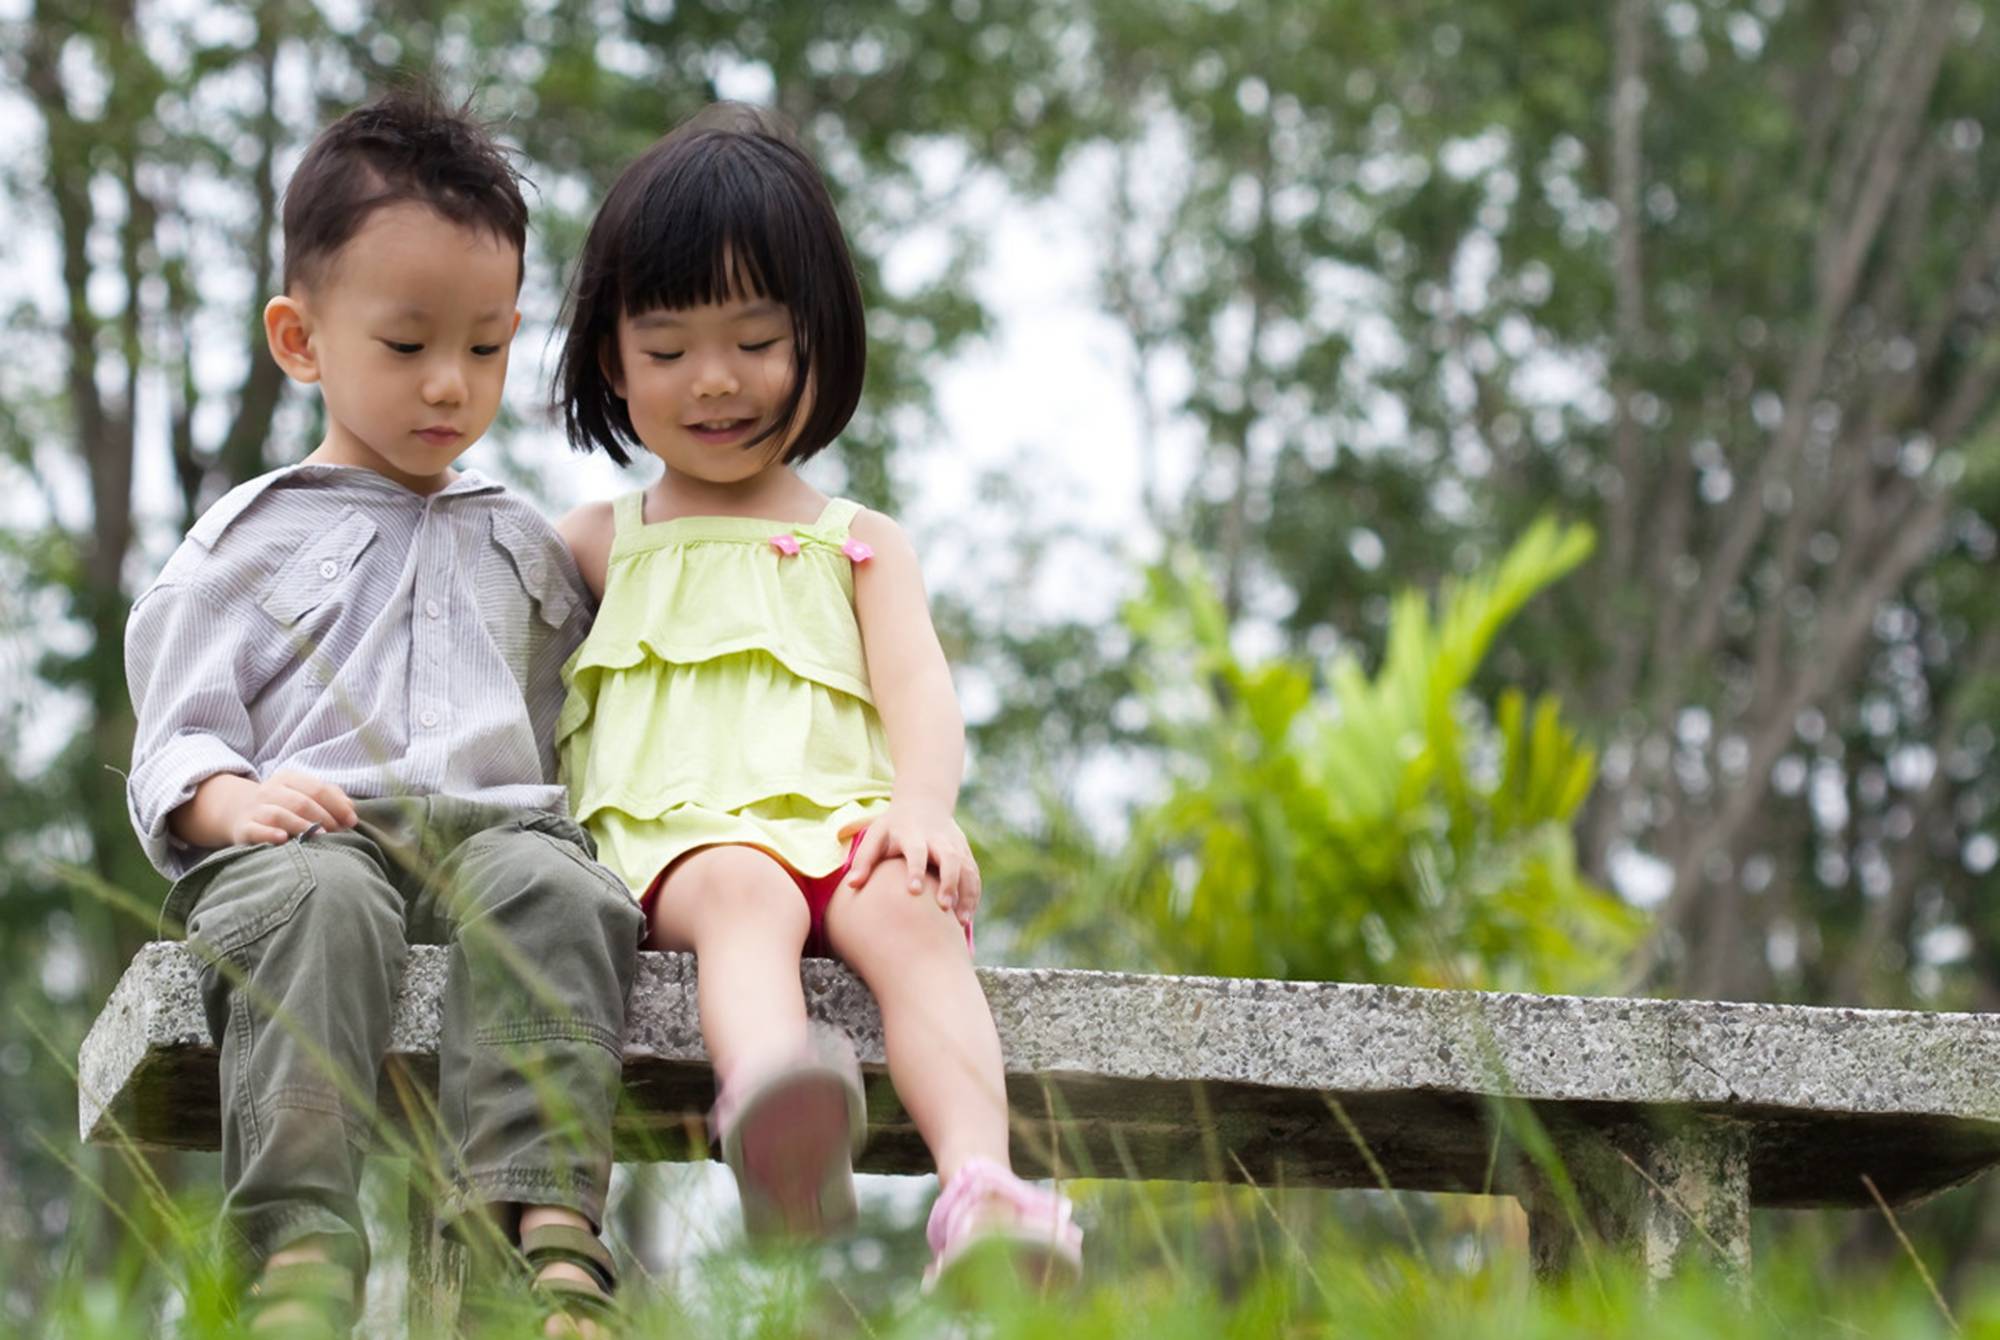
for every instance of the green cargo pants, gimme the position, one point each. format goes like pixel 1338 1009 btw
pixel 303 946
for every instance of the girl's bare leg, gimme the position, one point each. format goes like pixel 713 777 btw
pixel 944 1053
pixel 741 914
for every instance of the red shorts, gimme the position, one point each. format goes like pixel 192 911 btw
pixel 817 891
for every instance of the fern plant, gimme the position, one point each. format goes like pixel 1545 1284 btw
pixel 1319 822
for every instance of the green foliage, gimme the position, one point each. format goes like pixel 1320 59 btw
pixel 1248 1262
pixel 1338 825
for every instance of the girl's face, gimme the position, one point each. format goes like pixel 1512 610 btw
pixel 702 382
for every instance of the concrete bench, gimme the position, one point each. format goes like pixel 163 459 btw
pixel 1667 1120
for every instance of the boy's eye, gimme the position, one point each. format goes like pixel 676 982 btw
pixel 486 350
pixel 402 348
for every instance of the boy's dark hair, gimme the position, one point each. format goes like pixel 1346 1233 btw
pixel 407 145
pixel 724 207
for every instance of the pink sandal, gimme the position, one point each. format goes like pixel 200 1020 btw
pixel 791 1137
pixel 988 1206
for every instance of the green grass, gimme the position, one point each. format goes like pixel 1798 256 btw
pixel 1165 1262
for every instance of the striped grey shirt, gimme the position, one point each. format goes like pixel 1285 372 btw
pixel 327 619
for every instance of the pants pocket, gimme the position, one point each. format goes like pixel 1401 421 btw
pixel 246 898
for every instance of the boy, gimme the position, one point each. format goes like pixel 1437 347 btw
pixel 347 680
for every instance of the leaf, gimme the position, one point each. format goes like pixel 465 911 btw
pixel 1339 829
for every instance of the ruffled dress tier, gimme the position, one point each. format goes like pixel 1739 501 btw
pixel 722 695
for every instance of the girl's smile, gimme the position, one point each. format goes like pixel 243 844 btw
pixel 720 432
pixel 703 383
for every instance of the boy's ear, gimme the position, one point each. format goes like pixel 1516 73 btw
pixel 288 333
pixel 609 365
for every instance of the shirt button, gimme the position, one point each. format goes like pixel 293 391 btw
pixel 429 719
pixel 329 569
pixel 431 608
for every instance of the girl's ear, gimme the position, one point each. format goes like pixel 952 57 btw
pixel 611 366
pixel 288 333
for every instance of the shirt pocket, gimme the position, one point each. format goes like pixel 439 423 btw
pixel 537 570
pixel 315 588
pixel 525 601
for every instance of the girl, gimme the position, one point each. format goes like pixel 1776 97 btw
pixel 760 730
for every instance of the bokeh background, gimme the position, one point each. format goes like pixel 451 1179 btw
pixel 1494 494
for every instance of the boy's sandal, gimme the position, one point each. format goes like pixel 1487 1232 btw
pixel 988 1211
pixel 561 1244
pixel 791 1137
pixel 302 1300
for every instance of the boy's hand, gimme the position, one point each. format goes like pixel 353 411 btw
pixel 924 838
pixel 228 811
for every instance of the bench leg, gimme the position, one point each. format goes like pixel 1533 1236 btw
pixel 1665 1198
pixel 437 1266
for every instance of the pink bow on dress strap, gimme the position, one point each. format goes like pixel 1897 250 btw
pixel 788 544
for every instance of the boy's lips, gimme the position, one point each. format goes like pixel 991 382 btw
pixel 439 434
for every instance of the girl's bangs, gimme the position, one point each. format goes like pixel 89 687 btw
pixel 716 250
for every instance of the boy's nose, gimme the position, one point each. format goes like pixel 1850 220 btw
pixel 445 385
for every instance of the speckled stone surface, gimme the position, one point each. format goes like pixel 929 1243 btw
pixel 1117 1074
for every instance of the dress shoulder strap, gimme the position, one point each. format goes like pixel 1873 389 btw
pixel 838 515
pixel 627 512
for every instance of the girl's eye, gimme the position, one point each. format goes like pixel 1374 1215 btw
pixel 757 348
pixel 661 358
pixel 402 348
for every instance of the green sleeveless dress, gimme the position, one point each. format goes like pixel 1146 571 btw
pixel 722 695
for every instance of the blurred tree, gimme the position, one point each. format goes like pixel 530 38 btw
pixel 116 185
pixel 1716 277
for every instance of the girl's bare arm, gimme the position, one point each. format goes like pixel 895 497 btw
pixel 587 531
pixel 913 692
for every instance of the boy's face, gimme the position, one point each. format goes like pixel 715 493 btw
pixel 406 330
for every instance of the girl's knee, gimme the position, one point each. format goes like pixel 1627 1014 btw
pixel 724 890
pixel 886 922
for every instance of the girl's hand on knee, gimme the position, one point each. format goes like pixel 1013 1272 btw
pixel 927 840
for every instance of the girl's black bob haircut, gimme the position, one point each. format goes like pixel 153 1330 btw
pixel 725 207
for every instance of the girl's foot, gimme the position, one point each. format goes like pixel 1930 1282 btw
pixel 988 1210
pixel 791 1137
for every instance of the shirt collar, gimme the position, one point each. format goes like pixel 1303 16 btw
pixel 333 478
pixel 319 475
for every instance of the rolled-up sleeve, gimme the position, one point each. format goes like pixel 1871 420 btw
pixel 190 680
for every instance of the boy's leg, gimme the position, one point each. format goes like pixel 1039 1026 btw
pixel 302 946
pixel 544 947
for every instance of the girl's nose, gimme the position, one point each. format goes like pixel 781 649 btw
pixel 714 378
